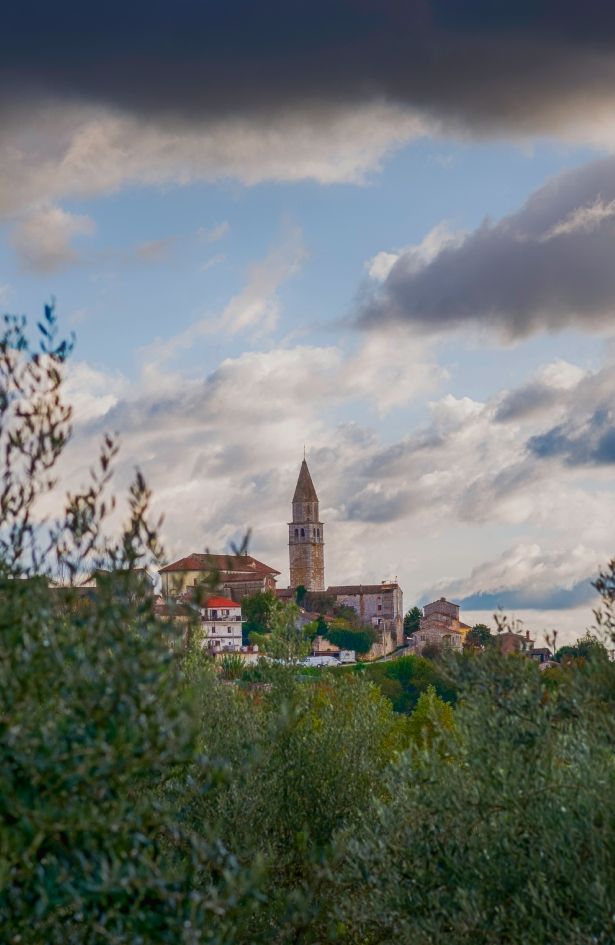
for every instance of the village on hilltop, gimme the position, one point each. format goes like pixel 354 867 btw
pixel 375 607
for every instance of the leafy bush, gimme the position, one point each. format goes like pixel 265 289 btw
pixel 97 706
pixel 360 641
pixel 403 680
pixel 502 830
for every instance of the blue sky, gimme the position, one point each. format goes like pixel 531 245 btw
pixel 302 261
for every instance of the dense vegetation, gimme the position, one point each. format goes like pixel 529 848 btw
pixel 147 798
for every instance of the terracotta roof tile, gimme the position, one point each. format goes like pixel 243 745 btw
pixel 221 602
pixel 244 564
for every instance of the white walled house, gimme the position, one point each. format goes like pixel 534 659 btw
pixel 221 620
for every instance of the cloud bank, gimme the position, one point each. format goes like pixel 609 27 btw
pixel 547 267
pixel 480 66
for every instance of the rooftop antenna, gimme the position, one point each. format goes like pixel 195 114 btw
pixel 304 450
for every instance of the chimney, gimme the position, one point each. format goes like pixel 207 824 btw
pixel 527 634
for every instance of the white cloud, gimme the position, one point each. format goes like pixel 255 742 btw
pixel 582 219
pixel 527 569
pixel 213 261
pixel 83 151
pixel 216 233
pixel 256 307
pixel 415 257
pixel 43 237
pixel 91 392
pixel 389 369
pixel 460 495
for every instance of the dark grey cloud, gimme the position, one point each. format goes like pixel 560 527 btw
pixel 527 400
pixel 374 505
pixel 544 268
pixel 478 64
pixel 555 598
pixel 590 442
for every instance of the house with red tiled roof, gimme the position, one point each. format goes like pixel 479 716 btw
pixel 221 622
pixel 232 576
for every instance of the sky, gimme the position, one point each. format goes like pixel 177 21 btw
pixel 382 231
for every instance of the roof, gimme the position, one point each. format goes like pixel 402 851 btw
pixel 511 633
pixel 361 588
pixel 239 564
pixel 221 602
pixel 305 491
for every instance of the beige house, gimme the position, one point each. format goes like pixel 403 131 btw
pixel 440 626
pixel 234 576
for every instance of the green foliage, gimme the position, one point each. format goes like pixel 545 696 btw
pixel 479 636
pixel 232 666
pixel 288 640
pixel 431 718
pixel 412 620
pixel 403 681
pixel 97 708
pixel 360 641
pixel 589 646
pixel 300 595
pixel 349 616
pixel 258 612
pixel 319 602
pixel 145 800
pixel 501 830
pixel 322 627
pixel 304 759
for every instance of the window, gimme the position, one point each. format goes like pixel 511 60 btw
pixel 230 629
pixel 303 532
pixel 318 533
pixel 296 533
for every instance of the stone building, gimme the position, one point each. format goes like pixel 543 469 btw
pixel 511 642
pixel 306 544
pixel 380 606
pixel 235 576
pixel 440 626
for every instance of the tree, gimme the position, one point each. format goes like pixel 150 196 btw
pixel 258 612
pixel 587 647
pixel 432 718
pixel 300 594
pixel 97 705
pixel 291 749
pixel 322 627
pixel 479 637
pixel 495 810
pixel 412 621
pixel 288 640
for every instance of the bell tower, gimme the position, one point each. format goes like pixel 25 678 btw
pixel 306 544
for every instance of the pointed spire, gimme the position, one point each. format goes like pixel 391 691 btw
pixel 305 491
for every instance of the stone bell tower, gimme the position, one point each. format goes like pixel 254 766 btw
pixel 305 536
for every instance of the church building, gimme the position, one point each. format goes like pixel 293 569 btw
pixel 379 606
pixel 306 541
